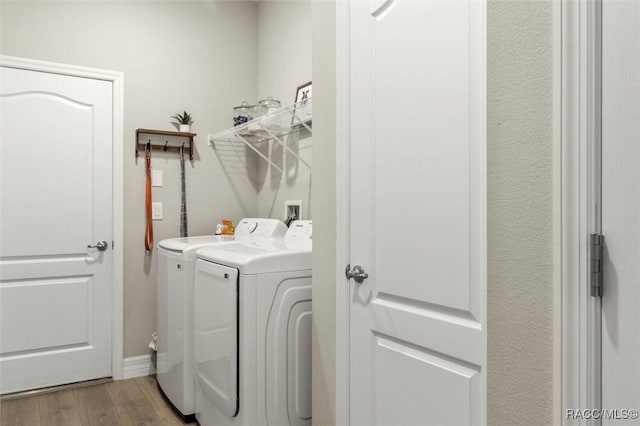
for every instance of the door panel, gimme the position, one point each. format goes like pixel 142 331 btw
pixel 25 218
pixel 417 211
pixel 620 204
pixel 51 326
pixel 55 198
pixel 412 371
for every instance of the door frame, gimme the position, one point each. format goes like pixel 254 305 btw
pixel 342 120
pixel 117 80
pixel 581 138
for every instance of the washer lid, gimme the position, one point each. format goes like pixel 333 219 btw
pixel 293 253
pixel 257 257
pixel 179 245
pixel 247 228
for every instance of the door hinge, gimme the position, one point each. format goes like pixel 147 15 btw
pixel 597 244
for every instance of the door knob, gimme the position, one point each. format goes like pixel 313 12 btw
pixel 100 245
pixel 357 273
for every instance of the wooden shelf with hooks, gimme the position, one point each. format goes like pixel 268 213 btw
pixel 158 144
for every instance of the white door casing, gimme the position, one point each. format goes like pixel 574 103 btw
pixel 580 172
pixel 600 154
pixel 418 212
pixel 61 191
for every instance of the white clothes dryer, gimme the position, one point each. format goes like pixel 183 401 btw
pixel 176 257
pixel 252 323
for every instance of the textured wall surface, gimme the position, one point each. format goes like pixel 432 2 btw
pixel 193 55
pixel 520 212
pixel 324 213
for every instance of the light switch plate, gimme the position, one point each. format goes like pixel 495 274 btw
pixel 156 177
pixel 156 211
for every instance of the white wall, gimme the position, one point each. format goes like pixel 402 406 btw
pixel 284 63
pixel 324 220
pixel 199 56
pixel 284 48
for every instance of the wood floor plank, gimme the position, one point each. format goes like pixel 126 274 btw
pixel 149 387
pixel 120 391
pixel 133 408
pixel 137 412
pixel 95 406
pixel 59 409
pixel 20 412
pixel 125 402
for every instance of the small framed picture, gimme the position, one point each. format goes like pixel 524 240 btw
pixel 303 110
pixel 303 93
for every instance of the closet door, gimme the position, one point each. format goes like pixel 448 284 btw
pixel 55 201
pixel 417 206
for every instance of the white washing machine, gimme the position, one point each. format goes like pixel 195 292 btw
pixel 176 258
pixel 252 324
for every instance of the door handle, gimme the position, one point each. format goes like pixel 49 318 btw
pixel 100 245
pixel 357 273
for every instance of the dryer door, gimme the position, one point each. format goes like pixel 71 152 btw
pixel 288 354
pixel 216 335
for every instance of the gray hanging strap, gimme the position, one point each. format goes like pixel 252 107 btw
pixel 183 201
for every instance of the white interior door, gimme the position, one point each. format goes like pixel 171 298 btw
pixel 55 200
pixel 417 212
pixel 621 205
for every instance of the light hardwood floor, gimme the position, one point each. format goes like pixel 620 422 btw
pixel 126 402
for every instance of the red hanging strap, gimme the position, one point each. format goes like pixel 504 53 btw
pixel 148 233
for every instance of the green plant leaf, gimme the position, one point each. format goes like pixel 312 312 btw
pixel 184 118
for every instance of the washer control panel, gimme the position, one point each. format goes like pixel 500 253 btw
pixel 271 228
pixel 299 230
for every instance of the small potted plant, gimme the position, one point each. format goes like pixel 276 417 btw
pixel 184 121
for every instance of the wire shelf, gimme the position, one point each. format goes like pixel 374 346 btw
pixel 276 126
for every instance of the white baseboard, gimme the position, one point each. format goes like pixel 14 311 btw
pixel 138 366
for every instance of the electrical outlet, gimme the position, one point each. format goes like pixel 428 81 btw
pixel 156 211
pixel 156 177
pixel 293 210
